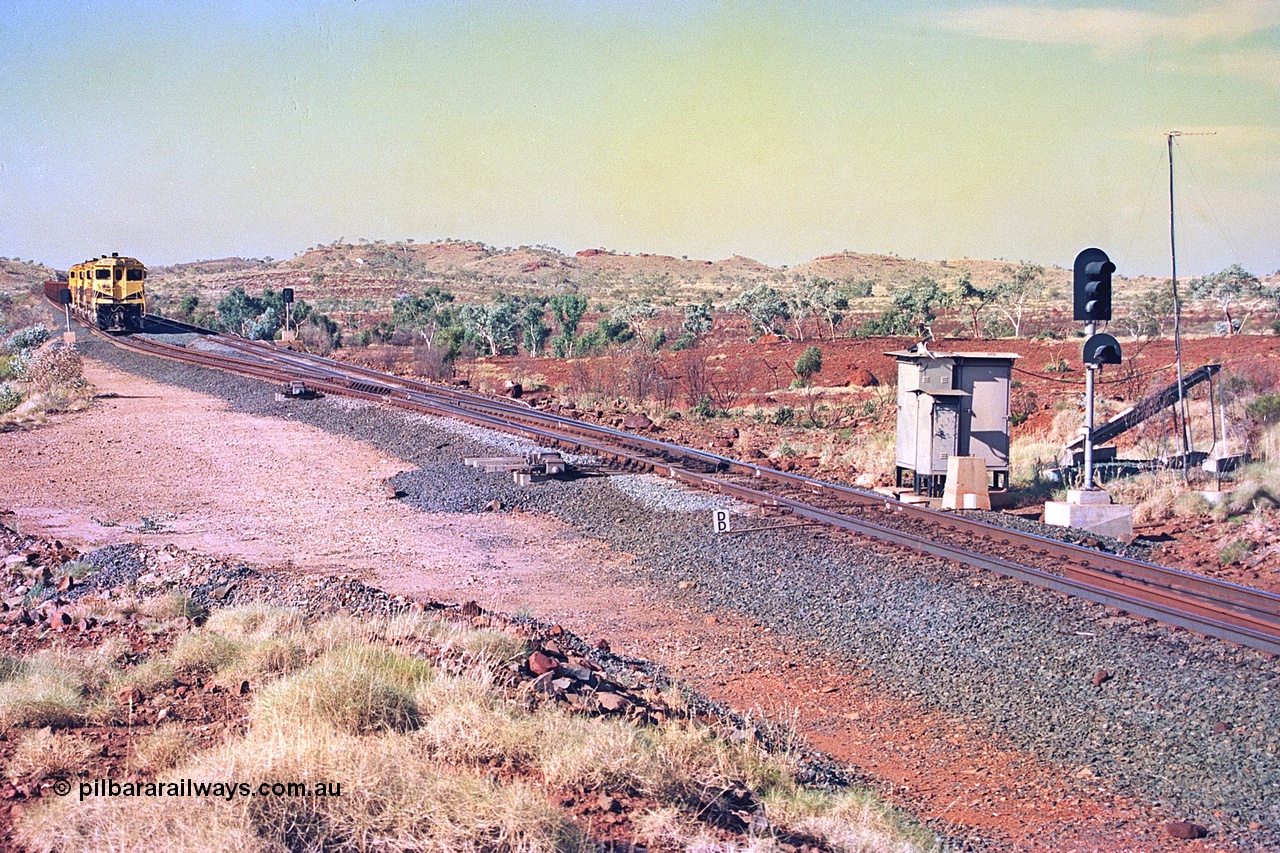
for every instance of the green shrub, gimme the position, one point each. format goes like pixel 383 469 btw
pixel 1265 408
pixel 27 339
pixel 997 328
pixel 55 367
pixel 891 322
pixel 683 342
pixel 809 364
pixel 860 289
pixel 1235 551
pixel 10 398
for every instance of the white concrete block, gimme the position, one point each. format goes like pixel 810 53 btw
pixel 1089 513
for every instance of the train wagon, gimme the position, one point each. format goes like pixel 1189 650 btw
pixel 109 292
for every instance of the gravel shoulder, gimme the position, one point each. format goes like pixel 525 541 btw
pixel 969 697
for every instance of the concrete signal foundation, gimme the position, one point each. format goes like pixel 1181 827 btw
pixel 1093 511
pixel 966 486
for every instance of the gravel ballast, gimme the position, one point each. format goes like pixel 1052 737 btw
pixel 1189 724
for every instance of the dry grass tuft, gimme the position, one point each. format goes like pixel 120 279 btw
pixel 337 632
pixel 464 723
pixel 1268 444
pixel 50 755
pixel 270 657
pixel 1029 457
pixel 485 652
pixel 10 667
pixel 845 820
pixel 173 605
pixel 161 750
pixel 1153 495
pixel 1259 490
pixel 148 676
pixel 670 829
pixel 870 453
pixel 393 799
pixel 670 762
pixel 44 699
pixel 407 627
pixel 1191 504
pixel 356 690
pixel 256 620
pixel 51 687
pixel 204 653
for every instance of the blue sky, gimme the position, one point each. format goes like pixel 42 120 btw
pixel 175 132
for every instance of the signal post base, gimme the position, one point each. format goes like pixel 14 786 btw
pixel 1093 511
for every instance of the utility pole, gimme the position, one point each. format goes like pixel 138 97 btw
pixel 1184 434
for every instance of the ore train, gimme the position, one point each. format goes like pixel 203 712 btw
pixel 108 292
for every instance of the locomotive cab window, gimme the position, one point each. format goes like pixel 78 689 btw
pixel 102 274
pixel 119 273
pixel 135 275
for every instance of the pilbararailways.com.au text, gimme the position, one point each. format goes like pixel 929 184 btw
pixel 193 788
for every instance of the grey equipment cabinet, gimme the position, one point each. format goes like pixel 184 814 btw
pixel 951 404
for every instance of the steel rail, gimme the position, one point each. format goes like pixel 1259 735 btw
pixel 1203 605
pixel 1256 629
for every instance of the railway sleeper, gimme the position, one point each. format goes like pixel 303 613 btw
pixel 380 390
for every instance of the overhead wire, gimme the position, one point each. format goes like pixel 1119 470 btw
pixel 1126 378
pixel 1204 199
pixel 1142 212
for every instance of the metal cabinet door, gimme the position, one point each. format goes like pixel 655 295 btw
pixel 946 432
pixel 986 423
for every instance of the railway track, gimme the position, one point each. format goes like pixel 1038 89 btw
pixel 1200 604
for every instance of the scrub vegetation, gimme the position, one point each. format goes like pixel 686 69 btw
pixel 428 727
pixel 39 375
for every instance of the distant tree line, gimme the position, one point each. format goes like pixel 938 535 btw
pixel 261 318
pixel 434 321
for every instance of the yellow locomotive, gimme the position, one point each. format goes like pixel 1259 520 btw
pixel 110 292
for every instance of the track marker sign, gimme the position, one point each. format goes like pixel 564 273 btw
pixel 720 520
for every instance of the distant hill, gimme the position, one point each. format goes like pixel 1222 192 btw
pixel 18 275
pixel 358 281
pixel 364 277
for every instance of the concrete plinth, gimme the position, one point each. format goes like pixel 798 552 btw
pixel 68 337
pixel 1092 511
pixel 966 486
